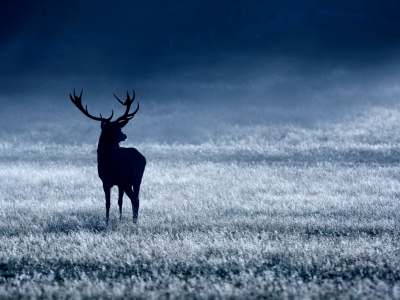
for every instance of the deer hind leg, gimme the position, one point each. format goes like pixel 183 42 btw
pixel 133 195
pixel 107 189
pixel 120 195
pixel 133 191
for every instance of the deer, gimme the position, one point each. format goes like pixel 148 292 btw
pixel 123 167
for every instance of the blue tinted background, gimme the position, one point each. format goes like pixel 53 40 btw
pixel 138 39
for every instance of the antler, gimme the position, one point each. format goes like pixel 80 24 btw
pixel 78 103
pixel 128 102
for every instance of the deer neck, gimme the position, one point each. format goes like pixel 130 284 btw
pixel 105 146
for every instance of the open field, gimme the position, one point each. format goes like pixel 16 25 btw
pixel 241 201
pixel 277 211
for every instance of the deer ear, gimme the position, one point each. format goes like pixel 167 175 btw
pixel 123 123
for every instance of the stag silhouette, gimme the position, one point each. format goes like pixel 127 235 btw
pixel 123 167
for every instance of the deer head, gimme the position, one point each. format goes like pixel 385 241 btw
pixel 111 130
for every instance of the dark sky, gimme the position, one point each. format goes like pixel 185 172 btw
pixel 141 38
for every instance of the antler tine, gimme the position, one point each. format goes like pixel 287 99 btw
pixel 128 99
pixel 75 97
pixel 130 116
pixel 133 96
pixel 78 103
pixel 119 100
pixel 112 114
pixel 128 102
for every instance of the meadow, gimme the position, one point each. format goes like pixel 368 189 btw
pixel 239 200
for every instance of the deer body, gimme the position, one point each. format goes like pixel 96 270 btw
pixel 123 167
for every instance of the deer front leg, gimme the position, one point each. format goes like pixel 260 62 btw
pixel 107 189
pixel 120 195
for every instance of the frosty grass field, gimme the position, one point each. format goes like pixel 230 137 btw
pixel 237 201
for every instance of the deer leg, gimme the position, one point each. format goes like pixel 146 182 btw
pixel 107 192
pixel 133 195
pixel 120 195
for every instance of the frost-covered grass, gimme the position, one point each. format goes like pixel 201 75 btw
pixel 236 207
pixel 206 229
